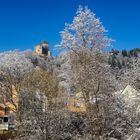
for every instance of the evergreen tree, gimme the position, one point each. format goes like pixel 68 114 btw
pixel 123 63
pixel 119 64
pixel 135 53
pixel 110 60
pixel 124 53
pixel 113 63
pixel 131 52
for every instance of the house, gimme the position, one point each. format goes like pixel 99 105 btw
pixel 130 92
pixel 7 116
pixel 76 104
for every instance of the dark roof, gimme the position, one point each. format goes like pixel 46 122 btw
pixel 44 42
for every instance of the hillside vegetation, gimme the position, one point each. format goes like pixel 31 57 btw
pixel 83 94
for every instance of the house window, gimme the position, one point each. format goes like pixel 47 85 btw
pixel 44 50
pixel 5 119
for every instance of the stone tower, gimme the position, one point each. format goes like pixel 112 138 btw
pixel 43 49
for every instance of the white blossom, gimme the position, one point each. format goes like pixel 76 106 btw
pixel 14 62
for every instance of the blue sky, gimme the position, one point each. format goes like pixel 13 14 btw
pixel 24 23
